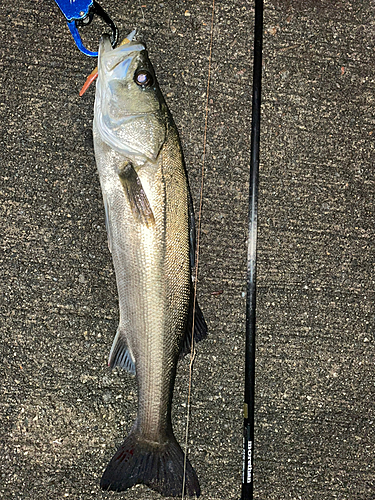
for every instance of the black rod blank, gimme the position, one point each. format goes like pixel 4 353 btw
pixel 248 442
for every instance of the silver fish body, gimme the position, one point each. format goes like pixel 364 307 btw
pixel 149 223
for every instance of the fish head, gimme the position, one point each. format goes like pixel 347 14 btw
pixel 130 111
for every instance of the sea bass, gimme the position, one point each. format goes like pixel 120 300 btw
pixel 150 225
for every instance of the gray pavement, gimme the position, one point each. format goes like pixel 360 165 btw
pixel 62 412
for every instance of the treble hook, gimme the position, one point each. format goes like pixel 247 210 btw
pixel 80 13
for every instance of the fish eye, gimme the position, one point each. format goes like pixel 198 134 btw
pixel 143 78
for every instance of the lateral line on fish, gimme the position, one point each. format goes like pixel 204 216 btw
pixel 193 351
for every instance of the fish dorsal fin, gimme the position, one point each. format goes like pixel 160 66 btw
pixel 200 328
pixel 136 195
pixel 192 238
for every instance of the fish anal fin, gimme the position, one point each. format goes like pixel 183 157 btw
pixel 136 195
pixel 121 355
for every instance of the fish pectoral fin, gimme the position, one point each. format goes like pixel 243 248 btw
pixel 121 355
pixel 107 222
pixel 200 329
pixel 136 195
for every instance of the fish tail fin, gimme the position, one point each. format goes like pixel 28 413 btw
pixel 157 465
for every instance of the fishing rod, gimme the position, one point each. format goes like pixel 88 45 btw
pixel 248 430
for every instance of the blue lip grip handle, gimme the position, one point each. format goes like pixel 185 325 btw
pixel 77 38
pixel 81 13
pixel 74 10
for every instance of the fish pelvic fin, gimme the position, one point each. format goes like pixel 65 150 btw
pixel 136 195
pixel 160 466
pixel 120 355
pixel 200 329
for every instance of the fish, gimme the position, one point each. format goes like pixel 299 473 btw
pixel 151 235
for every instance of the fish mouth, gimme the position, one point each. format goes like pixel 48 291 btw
pixel 94 73
pixel 106 41
pixel 111 59
pixel 105 44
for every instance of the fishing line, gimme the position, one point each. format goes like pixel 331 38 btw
pixel 193 351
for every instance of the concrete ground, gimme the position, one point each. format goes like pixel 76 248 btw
pixel 62 411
